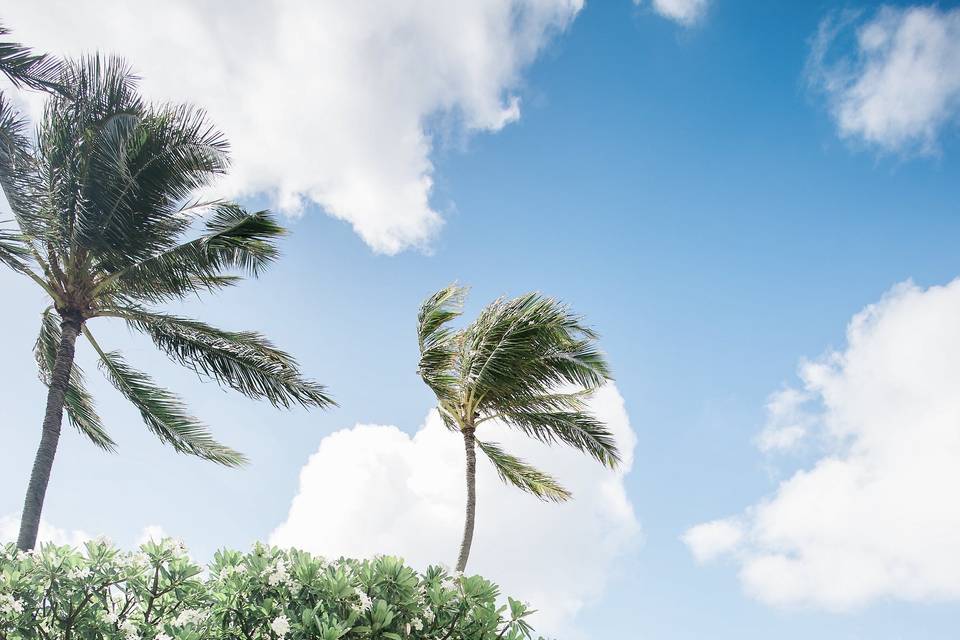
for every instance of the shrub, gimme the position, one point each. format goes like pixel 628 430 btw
pixel 159 593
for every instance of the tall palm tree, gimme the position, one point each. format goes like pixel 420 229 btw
pixel 27 69
pixel 103 202
pixel 527 363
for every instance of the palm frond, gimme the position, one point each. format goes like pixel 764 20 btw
pixel 142 167
pixel 14 250
pixel 530 345
pixel 439 344
pixel 577 429
pixel 77 401
pixel 26 69
pixel 515 471
pixel 163 412
pixel 19 175
pixel 243 360
pixel 233 240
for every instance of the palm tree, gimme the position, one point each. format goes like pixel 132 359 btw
pixel 527 363
pixel 103 202
pixel 26 69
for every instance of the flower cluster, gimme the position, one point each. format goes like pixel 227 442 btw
pixel 159 593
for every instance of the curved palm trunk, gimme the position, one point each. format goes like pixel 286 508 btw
pixel 469 444
pixel 43 463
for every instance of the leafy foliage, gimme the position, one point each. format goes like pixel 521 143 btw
pixel 159 593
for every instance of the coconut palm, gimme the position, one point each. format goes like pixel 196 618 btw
pixel 26 69
pixel 104 204
pixel 525 363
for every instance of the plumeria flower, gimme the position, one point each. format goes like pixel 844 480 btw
pixel 280 626
pixel 365 601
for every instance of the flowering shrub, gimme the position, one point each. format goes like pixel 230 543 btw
pixel 159 593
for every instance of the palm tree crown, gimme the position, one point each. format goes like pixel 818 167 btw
pixel 103 201
pixel 528 363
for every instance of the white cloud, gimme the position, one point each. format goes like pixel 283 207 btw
pixel 151 533
pixel 324 102
pixel 876 516
pixel 10 528
pixel 788 422
pixel 686 12
pixel 712 539
pixel 374 489
pixel 901 87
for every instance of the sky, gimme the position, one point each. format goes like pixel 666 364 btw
pixel 754 203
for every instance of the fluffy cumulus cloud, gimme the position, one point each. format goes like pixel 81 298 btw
pixel 10 527
pixel 876 516
pixel 324 102
pixel 897 88
pixel 374 489
pixel 685 12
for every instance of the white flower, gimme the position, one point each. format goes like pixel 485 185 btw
pixel 129 629
pixel 365 601
pixel 428 615
pixel 80 573
pixel 10 605
pixel 417 624
pixel 188 616
pixel 162 636
pixel 110 617
pixel 280 626
pixel 178 547
pixel 103 540
pixel 279 575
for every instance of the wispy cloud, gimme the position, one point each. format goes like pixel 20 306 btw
pixel 896 86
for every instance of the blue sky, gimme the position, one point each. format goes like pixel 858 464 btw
pixel 687 189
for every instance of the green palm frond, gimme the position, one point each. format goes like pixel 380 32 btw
pixel 77 401
pixel 18 171
pixel 530 345
pixel 439 343
pixel 579 430
pixel 14 250
pixel 26 69
pixel 233 240
pixel 515 471
pixel 163 412
pixel 243 360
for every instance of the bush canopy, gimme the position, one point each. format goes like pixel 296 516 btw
pixel 159 593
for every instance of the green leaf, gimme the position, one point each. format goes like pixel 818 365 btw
pixel 163 412
pixel 515 471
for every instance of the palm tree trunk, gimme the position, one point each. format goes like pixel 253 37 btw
pixel 469 443
pixel 43 463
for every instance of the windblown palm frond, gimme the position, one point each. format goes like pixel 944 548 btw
pixel 26 69
pixel 163 412
pixel 439 344
pixel 244 360
pixel 515 471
